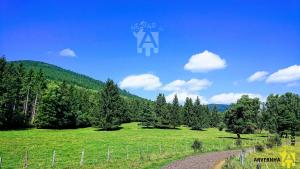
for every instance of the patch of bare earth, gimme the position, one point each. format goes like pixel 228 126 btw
pixel 203 161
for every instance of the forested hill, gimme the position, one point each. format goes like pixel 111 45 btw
pixel 56 73
pixel 220 107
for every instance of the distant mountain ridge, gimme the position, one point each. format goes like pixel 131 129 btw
pixel 56 73
pixel 220 107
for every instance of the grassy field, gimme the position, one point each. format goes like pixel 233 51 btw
pixel 129 147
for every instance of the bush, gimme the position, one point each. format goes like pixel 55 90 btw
pixel 221 126
pixel 274 140
pixel 238 142
pixel 259 147
pixel 197 145
pixel 269 145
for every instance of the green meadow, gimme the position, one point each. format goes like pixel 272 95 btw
pixel 130 147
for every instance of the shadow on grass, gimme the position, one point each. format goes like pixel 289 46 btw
pixel 199 129
pixel 162 127
pixel 17 129
pixel 262 136
pixel 112 129
pixel 236 138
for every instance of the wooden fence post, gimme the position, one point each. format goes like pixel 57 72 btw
pixel 242 158
pixel 0 162
pixel 53 159
pixel 82 158
pixel 26 160
pixel 258 166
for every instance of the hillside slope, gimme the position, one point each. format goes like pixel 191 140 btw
pixel 59 74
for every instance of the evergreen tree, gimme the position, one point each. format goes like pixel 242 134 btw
pixel 188 111
pixel 215 117
pixel 148 116
pixel 175 113
pixel 162 118
pixel 196 116
pixel 39 86
pixel 56 108
pixel 109 116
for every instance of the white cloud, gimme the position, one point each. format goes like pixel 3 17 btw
pixel 288 74
pixel 67 52
pixel 182 95
pixel 258 76
pixel 204 62
pixel 228 98
pixel 191 85
pixel 144 81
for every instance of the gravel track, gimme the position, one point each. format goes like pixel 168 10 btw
pixel 202 161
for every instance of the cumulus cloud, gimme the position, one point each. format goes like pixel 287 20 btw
pixel 142 81
pixel 191 85
pixel 258 76
pixel 182 95
pixel 228 98
pixel 288 74
pixel 204 62
pixel 67 52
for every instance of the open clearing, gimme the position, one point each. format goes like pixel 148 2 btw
pixel 129 147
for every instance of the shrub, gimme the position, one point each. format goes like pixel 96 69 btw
pixel 221 126
pixel 259 147
pixel 197 145
pixel 274 140
pixel 238 142
pixel 269 145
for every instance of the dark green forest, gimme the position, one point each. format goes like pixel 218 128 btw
pixel 59 74
pixel 36 94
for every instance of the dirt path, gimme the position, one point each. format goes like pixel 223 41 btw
pixel 202 161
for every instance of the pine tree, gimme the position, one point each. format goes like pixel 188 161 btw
pixel 39 86
pixel 188 111
pixel 148 116
pixel 28 92
pixel 175 113
pixel 47 116
pixel 109 116
pixel 56 108
pixel 197 117
pixel 162 118
pixel 215 117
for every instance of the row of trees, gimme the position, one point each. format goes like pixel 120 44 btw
pixel 171 115
pixel 20 93
pixel 28 99
pixel 280 114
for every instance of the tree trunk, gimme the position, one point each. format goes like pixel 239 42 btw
pixel 238 135
pixel 26 104
pixel 34 108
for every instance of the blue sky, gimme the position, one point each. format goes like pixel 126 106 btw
pixel 236 38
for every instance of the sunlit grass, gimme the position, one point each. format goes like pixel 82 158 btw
pixel 130 147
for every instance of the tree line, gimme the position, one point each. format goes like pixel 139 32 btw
pixel 279 114
pixel 28 99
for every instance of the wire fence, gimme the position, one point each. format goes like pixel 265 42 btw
pixel 65 156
